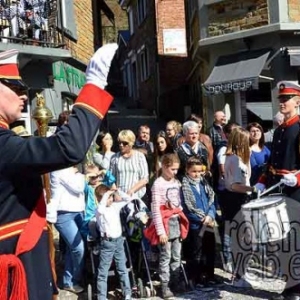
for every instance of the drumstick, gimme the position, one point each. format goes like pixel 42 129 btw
pixel 274 186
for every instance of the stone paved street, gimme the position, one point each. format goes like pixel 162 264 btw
pixel 262 289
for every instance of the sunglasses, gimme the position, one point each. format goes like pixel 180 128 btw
pixel 18 89
pixel 123 143
pixel 94 177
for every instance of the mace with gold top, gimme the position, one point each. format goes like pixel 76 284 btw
pixel 42 116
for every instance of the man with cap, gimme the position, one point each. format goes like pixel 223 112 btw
pixel 25 270
pixel 283 163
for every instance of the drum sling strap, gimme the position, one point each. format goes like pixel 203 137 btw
pixel 11 266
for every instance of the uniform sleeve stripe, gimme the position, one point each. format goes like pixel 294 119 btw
pixel 94 99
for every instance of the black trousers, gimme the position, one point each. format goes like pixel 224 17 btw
pixel 201 255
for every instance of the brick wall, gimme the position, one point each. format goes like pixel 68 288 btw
pixel 294 10
pixel 170 14
pixel 235 15
pixel 83 49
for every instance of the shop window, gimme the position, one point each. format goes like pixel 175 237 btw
pixel 68 100
pixel 262 94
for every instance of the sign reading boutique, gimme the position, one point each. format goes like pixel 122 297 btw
pixel 230 87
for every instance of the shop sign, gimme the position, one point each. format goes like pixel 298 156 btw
pixel 65 73
pixel 229 87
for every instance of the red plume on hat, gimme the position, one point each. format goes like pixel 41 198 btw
pixel 9 70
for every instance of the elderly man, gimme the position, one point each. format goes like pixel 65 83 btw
pixel 24 254
pixel 191 147
pixel 277 121
pixel 216 132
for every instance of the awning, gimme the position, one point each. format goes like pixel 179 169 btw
pixel 263 110
pixel 236 72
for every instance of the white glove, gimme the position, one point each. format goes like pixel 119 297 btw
pixel 99 65
pixel 289 179
pixel 260 187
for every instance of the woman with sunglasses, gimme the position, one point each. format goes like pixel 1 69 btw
pixel 162 146
pixel 129 166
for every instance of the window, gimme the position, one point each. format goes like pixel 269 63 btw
pixel 66 19
pixel 131 20
pixel 144 64
pixel 142 9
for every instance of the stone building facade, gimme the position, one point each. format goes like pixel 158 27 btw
pixel 230 41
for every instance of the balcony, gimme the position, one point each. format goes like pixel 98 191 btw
pixel 30 22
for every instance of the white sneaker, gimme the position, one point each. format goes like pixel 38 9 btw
pixel 76 289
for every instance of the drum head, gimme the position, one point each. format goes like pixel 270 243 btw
pixel 263 202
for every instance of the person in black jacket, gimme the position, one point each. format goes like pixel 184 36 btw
pixel 24 253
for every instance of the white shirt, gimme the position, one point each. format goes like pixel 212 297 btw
pixel 108 217
pixel 236 171
pixel 67 191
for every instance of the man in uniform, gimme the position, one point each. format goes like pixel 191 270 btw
pixel 25 270
pixel 283 163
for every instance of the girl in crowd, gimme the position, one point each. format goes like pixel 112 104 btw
pixel 167 213
pixel 103 156
pixel 173 131
pixel 260 154
pixel 198 201
pixel 237 173
pixel 162 146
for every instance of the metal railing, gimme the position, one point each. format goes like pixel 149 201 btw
pixel 30 22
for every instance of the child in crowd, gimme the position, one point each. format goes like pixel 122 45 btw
pixel 93 178
pixel 198 201
pixel 170 224
pixel 111 240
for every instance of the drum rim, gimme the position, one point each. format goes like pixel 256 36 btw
pixel 265 206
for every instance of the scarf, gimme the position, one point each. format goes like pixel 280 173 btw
pixel 189 197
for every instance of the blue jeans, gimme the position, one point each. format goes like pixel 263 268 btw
pixel 68 225
pixel 109 250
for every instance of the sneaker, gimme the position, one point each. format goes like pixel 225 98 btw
pixel 228 267
pixel 76 289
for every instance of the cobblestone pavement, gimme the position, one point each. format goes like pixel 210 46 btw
pixel 261 289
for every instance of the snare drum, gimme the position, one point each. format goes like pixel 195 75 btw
pixel 267 219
